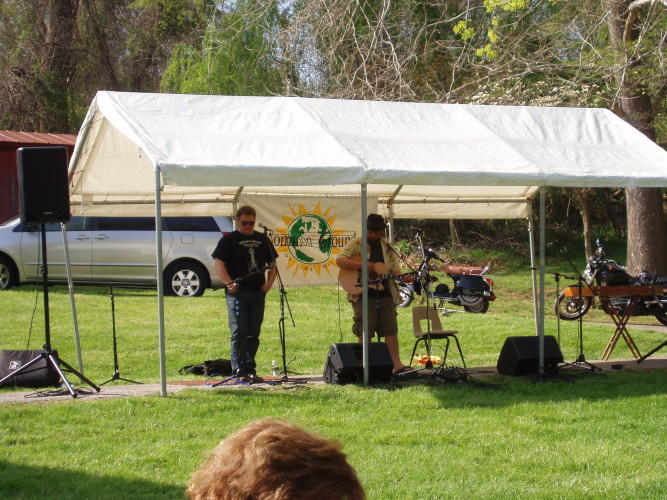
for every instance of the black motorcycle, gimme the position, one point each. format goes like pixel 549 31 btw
pixel 472 290
pixel 607 272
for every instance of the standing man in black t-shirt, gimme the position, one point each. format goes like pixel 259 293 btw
pixel 242 258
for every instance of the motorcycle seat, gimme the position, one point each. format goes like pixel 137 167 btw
pixel 463 270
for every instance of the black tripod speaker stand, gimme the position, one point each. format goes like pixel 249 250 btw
pixel 116 372
pixel 50 355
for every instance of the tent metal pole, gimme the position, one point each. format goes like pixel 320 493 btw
pixel 160 282
pixel 533 269
pixel 540 343
pixel 390 205
pixel 70 287
pixel 364 282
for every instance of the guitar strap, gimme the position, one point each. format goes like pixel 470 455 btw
pixel 378 256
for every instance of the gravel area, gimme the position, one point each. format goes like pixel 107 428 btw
pixel 117 389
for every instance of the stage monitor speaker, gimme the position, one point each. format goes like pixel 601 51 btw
pixel 520 355
pixel 345 363
pixel 43 186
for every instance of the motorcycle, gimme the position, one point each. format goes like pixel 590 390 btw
pixel 607 272
pixel 472 290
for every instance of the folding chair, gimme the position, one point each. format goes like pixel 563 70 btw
pixel 432 331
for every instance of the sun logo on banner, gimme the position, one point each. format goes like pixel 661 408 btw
pixel 309 240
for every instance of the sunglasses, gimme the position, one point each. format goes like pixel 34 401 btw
pixel 247 222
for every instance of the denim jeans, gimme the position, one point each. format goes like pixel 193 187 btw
pixel 245 312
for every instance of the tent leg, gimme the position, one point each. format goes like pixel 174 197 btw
pixel 160 283
pixel 364 282
pixel 70 286
pixel 533 269
pixel 540 332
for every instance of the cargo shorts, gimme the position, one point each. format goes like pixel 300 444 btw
pixel 382 317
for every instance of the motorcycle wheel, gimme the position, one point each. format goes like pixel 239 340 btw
pixel 662 317
pixel 474 304
pixel 571 308
pixel 404 296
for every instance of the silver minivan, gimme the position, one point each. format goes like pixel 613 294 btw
pixel 117 251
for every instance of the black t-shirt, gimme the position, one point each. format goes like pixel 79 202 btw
pixel 244 255
pixel 378 256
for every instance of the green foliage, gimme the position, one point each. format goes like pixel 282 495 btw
pixel 237 56
pixel 463 30
pixel 505 5
pixel 403 247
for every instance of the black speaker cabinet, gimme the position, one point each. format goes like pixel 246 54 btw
pixel 520 355
pixel 43 186
pixel 345 363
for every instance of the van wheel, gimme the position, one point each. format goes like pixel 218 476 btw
pixel 185 279
pixel 8 274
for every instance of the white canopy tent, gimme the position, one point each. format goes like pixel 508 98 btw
pixel 167 154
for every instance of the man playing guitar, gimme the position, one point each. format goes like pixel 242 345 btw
pixel 382 295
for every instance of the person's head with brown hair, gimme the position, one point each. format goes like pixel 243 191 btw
pixel 246 210
pixel 273 460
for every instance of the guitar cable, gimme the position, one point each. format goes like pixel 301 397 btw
pixel 340 325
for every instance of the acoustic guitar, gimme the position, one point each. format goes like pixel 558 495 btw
pixel 351 280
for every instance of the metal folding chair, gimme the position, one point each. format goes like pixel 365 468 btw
pixel 426 326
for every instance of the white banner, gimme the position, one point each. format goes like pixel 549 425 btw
pixel 309 233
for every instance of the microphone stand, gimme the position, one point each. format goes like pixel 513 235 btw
pixel 557 280
pixel 581 359
pixel 284 303
pixel 426 285
pixel 116 370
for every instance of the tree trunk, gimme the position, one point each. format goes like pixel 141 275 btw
pixel 648 227
pixel 647 241
pixel 579 197
pixel 58 64
pixel 454 233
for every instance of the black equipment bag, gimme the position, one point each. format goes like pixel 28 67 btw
pixel 40 374
pixel 210 367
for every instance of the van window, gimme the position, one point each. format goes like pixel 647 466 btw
pixel 124 224
pixel 205 224
pixel 74 224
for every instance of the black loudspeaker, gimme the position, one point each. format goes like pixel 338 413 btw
pixel 345 363
pixel 43 186
pixel 520 355
pixel 40 374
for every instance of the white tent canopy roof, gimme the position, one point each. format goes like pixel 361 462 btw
pixel 420 160
pixel 424 160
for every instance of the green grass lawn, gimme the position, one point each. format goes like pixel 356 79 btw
pixel 581 435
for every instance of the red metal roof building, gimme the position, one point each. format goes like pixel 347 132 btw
pixel 10 141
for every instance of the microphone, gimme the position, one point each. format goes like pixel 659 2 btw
pixel 264 227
